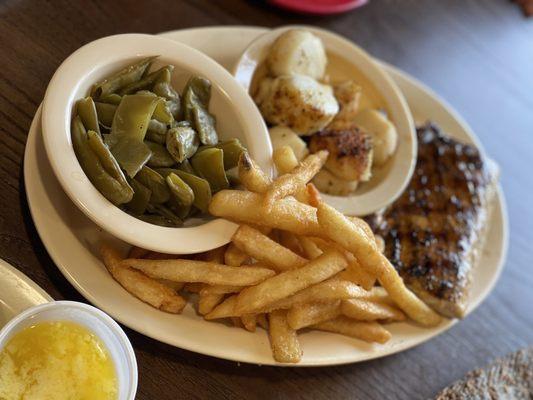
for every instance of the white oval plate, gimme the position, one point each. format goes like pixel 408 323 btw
pixel 70 238
pixel 18 292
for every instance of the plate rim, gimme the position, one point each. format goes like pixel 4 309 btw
pixel 6 268
pixel 371 355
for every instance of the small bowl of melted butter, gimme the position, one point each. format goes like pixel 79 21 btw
pixel 66 350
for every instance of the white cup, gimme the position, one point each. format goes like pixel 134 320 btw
pixel 96 321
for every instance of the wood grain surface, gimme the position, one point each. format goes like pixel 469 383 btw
pixel 477 54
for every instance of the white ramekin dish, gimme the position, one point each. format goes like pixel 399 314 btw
pixel 98 322
pixel 235 112
pixel 392 180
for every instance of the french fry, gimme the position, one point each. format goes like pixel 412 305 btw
pixel 246 207
pixel 193 287
pixel 207 302
pixel 214 255
pixel 380 242
pixel 295 181
pixel 265 250
pixel 354 239
pixel 329 290
pixel 355 273
pixel 262 321
pixel 176 286
pixel 199 271
pixel 249 322
pixel 313 195
pixel 237 322
pixel 137 252
pixel 367 331
pixel 220 289
pixel 234 256
pixel 310 248
pixel 283 339
pixel 284 159
pixel 304 315
pixel 251 176
pixel 144 288
pixel 156 255
pixel 290 241
pixel 254 298
pixel 226 309
pixel 363 227
pixel 364 310
pixel 326 291
pixel 378 295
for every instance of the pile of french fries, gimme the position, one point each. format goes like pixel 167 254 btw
pixel 294 263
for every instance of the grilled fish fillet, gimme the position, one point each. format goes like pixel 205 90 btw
pixel 434 231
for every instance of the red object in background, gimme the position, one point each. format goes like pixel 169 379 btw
pixel 322 7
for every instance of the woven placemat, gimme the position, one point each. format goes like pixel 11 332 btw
pixel 509 378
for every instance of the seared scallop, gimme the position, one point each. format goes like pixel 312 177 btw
pixel 297 51
pixel 350 152
pixel 328 183
pixel 383 132
pixel 282 136
pixel 348 95
pixel 296 101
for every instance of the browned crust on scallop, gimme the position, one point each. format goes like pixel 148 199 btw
pixel 345 146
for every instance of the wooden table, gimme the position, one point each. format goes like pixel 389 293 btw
pixel 477 54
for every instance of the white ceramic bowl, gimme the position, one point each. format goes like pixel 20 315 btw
pixel 236 116
pixel 98 322
pixel 390 180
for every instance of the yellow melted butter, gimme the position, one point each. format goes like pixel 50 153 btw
pixel 56 360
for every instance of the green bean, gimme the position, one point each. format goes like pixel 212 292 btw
pixel 141 197
pixel 161 112
pixel 201 88
pixel 163 88
pixel 200 188
pixel 174 107
pixel 232 151
pixel 156 183
pixel 186 167
pixel 107 160
pixel 118 80
pixel 205 125
pixel 112 98
pixel 180 190
pixel 87 112
pixel 128 130
pixel 146 82
pixel 109 187
pixel 179 209
pixel 164 172
pixel 157 132
pixel 209 164
pixel 189 102
pixel 182 143
pixel 160 156
pixel 105 112
pixel 166 213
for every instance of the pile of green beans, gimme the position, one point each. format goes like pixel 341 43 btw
pixel 150 150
